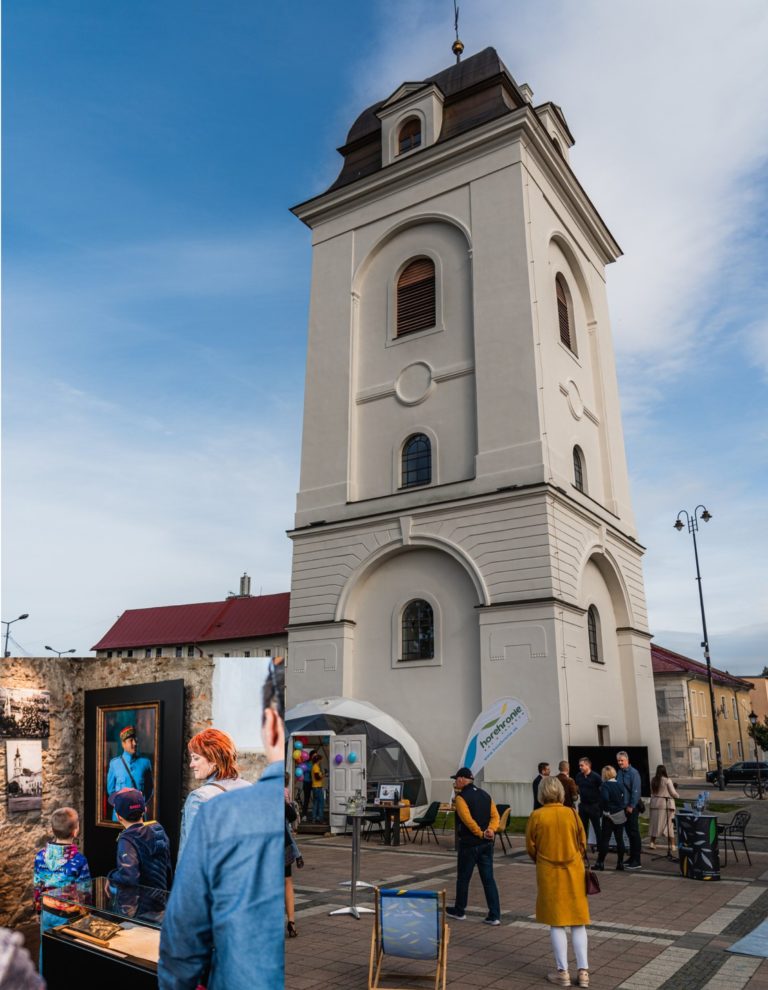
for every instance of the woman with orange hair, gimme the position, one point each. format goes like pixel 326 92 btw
pixel 213 759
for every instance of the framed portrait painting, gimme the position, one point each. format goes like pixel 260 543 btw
pixel 134 737
pixel 128 755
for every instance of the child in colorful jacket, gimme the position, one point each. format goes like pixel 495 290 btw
pixel 58 864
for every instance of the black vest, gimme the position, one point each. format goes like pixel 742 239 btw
pixel 479 804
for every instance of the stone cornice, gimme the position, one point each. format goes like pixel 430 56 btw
pixel 445 156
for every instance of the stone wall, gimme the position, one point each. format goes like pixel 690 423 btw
pixel 21 835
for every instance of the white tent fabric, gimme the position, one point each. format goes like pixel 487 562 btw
pixel 363 711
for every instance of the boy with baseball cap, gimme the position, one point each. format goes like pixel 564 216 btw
pixel 143 848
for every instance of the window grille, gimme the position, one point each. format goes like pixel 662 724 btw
pixel 416 461
pixel 578 469
pixel 593 631
pixel 418 631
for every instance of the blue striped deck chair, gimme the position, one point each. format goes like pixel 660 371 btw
pixel 409 924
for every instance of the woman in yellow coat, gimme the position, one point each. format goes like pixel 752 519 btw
pixel 555 841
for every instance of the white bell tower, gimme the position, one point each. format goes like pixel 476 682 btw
pixel 464 528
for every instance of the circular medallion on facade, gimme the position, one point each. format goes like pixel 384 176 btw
pixel 575 403
pixel 414 383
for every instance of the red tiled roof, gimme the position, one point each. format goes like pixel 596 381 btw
pixel 205 622
pixel 666 662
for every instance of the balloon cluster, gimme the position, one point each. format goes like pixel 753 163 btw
pixel 301 758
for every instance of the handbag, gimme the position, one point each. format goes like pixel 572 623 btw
pixel 591 883
pixel 590 880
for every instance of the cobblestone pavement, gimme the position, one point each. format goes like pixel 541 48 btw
pixel 651 930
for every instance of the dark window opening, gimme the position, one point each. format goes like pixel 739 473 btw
pixel 578 469
pixel 418 631
pixel 409 136
pixel 563 315
pixel 417 461
pixel 593 631
pixel 416 308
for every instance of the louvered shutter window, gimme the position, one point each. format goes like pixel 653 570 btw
pixel 409 136
pixel 562 313
pixel 416 297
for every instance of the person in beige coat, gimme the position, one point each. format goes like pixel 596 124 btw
pixel 663 796
pixel 555 841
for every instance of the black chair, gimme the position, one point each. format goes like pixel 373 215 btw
pixel 374 819
pixel 735 831
pixel 426 824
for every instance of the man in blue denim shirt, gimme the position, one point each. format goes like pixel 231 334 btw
pixel 629 779
pixel 224 923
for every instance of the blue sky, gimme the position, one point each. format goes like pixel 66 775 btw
pixel 156 287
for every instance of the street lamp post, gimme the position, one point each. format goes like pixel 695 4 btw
pixel 6 652
pixel 753 722
pixel 693 527
pixel 60 653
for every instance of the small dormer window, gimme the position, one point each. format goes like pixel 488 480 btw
pixel 409 136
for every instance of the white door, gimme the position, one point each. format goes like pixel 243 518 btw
pixel 345 777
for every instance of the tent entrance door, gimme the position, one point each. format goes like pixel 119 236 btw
pixel 347 775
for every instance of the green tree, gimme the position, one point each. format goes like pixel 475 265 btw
pixel 759 732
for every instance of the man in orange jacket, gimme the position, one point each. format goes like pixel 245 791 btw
pixel 478 820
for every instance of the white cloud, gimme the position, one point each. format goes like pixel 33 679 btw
pixel 669 107
pixel 102 520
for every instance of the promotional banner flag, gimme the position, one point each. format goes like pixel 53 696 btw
pixel 491 730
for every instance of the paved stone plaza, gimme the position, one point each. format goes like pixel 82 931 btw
pixel 651 930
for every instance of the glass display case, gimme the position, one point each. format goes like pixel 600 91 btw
pixel 96 929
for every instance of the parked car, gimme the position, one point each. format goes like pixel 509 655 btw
pixel 740 773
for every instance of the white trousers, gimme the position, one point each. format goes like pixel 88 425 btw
pixel 559 939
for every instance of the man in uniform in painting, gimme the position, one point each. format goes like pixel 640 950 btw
pixel 129 769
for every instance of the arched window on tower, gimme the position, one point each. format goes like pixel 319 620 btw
pixel 564 320
pixel 416 309
pixel 578 468
pixel 418 629
pixel 593 634
pixel 409 136
pixel 416 465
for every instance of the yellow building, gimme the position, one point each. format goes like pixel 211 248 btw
pixel 685 714
pixel 759 696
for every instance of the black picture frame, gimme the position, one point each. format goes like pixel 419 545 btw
pixel 105 710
